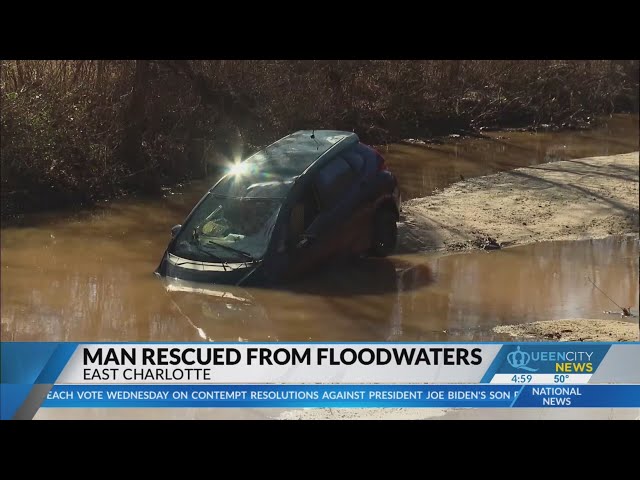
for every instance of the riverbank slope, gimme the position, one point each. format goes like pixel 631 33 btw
pixel 568 200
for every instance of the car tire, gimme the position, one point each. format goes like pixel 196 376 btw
pixel 385 233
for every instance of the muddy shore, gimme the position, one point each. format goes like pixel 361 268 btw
pixel 575 330
pixel 566 200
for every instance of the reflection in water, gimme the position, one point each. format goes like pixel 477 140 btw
pixel 349 289
pixel 87 276
pixel 216 303
pixel 412 298
pixel 538 282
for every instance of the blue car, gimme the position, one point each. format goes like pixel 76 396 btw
pixel 307 199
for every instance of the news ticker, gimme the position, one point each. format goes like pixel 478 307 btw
pixel 307 375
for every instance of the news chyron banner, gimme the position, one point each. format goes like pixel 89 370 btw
pixel 329 375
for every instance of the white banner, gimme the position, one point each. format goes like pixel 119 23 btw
pixel 280 363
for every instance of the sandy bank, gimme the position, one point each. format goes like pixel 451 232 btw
pixel 567 200
pixel 575 330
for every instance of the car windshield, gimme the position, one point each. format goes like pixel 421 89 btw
pixel 229 228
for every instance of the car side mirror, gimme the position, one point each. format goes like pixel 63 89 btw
pixel 175 229
pixel 305 240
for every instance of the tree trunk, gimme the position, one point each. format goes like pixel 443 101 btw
pixel 454 72
pixel 100 75
pixel 20 71
pixel 142 177
pixel 227 102
pixel 77 71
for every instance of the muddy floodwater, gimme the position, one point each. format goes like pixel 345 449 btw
pixel 88 275
pixel 423 170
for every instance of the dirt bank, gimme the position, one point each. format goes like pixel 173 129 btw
pixel 575 330
pixel 567 200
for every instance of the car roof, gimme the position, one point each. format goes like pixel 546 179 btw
pixel 289 157
pixel 294 154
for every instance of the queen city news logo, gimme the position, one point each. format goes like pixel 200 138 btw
pixel 566 362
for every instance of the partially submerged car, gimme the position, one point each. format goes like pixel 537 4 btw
pixel 308 198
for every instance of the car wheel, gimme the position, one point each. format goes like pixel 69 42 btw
pixel 385 233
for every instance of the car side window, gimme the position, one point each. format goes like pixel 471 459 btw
pixel 333 181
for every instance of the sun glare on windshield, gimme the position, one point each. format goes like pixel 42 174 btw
pixel 238 168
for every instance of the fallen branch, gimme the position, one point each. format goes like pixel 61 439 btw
pixel 626 312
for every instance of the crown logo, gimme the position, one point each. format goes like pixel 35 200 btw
pixel 520 360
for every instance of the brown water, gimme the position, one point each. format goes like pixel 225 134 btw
pixel 424 169
pixel 87 276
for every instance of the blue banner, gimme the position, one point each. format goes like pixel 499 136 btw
pixel 342 396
